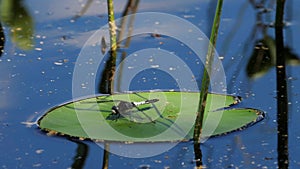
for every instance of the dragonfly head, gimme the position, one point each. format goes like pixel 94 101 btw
pixel 114 110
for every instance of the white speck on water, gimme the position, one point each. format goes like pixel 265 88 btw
pixel 38 49
pixel 157 161
pixel 172 68
pixel 37 165
pixel 39 151
pixel 130 67
pixel 58 63
pixel 189 16
pixel 22 54
pixel 154 66
pixel 144 166
pixel 13 75
pixel 83 85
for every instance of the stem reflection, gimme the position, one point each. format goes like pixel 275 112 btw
pixel 282 107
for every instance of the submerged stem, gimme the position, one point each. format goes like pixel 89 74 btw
pixel 105 156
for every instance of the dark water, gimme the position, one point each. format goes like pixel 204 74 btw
pixel 34 81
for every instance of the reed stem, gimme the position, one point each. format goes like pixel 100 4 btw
pixel 206 73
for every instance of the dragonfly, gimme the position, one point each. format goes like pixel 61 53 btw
pixel 125 107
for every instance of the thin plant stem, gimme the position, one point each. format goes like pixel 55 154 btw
pixel 282 100
pixel 112 25
pixel 106 84
pixel 206 73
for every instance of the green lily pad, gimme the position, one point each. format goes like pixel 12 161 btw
pixel 169 119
